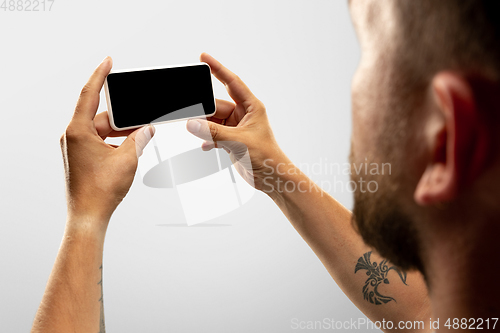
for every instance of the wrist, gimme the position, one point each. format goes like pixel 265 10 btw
pixel 86 225
pixel 86 207
pixel 283 178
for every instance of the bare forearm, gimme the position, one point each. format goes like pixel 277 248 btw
pixel 72 301
pixel 327 228
pixel 321 221
pixel 98 176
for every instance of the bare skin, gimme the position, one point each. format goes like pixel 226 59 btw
pixel 95 186
pixel 453 202
pixel 321 220
pixel 455 166
pixel 98 176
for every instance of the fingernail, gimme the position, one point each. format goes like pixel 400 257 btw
pixel 108 58
pixel 147 131
pixel 152 130
pixel 193 126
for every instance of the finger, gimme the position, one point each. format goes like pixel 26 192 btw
pixel 137 141
pixel 116 134
pixel 207 145
pixel 237 115
pixel 223 109
pixel 88 102
pixel 104 130
pixel 238 90
pixel 216 120
pixel 229 112
pixel 211 131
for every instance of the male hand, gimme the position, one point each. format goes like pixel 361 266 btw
pixel 98 175
pixel 238 126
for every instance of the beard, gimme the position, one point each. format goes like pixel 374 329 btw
pixel 381 220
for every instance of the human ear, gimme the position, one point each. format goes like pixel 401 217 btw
pixel 460 145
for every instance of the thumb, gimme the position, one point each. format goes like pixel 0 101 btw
pixel 138 139
pixel 208 130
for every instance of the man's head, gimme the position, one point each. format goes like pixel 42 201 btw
pixel 424 102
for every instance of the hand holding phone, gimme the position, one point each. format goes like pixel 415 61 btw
pixel 95 190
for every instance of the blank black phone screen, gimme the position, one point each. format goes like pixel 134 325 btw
pixel 148 96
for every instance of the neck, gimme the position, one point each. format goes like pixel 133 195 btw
pixel 463 271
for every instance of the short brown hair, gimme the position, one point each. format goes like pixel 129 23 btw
pixel 461 35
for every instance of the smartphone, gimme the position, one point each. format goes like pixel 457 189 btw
pixel 138 97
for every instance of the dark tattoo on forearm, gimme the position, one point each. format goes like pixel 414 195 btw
pixel 102 328
pixel 376 275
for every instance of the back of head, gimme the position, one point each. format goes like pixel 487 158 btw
pixel 415 135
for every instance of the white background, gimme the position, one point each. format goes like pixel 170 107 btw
pixel 247 271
